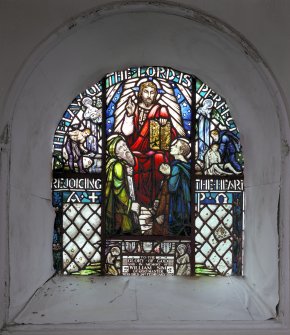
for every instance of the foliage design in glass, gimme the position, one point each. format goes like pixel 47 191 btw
pixel 166 196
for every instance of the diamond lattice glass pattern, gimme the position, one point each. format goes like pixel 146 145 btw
pixel 81 239
pixel 214 238
pixel 148 178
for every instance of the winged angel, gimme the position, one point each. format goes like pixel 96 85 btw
pixel 149 117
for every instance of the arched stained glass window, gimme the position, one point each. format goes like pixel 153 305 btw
pixel 148 179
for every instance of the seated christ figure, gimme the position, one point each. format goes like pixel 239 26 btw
pixel 149 132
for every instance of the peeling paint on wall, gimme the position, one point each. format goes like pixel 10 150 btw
pixel 285 148
pixel 163 7
pixel 5 136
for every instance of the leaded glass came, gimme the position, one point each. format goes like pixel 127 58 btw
pixel 148 179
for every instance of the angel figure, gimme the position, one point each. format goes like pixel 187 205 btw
pixel 182 261
pixel 92 113
pixel 204 114
pixel 113 262
pixel 149 123
pixel 93 116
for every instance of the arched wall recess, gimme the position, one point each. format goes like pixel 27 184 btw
pixel 50 80
pixel 148 179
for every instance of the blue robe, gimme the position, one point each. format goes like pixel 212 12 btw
pixel 179 203
pixel 229 145
pixel 203 135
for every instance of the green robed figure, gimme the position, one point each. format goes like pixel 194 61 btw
pixel 120 205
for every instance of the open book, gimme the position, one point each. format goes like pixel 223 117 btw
pixel 160 136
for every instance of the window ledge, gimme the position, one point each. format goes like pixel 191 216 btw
pixel 81 300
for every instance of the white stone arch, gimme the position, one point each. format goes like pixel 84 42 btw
pixel 177 37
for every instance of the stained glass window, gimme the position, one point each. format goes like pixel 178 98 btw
pixel 148 179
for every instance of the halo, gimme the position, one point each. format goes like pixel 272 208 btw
pixel 87 99
pixel 145 79
pixel 181 246
pixel 208 103
pixel 115 135
pixel 183 139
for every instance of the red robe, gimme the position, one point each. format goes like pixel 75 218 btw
pixel 147 178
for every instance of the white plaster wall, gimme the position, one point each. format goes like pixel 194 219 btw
pixel 31 216
pixel 26 24
pixel 83 57
pixel 76 59
pixel 4 191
